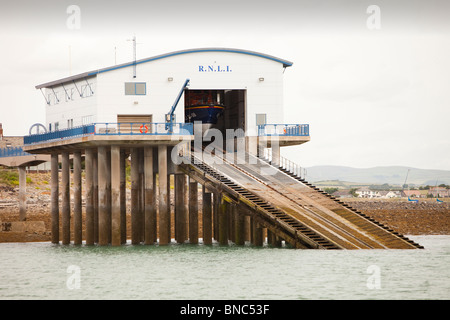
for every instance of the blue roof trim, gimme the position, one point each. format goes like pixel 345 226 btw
pixel 176 53
pixel 285 63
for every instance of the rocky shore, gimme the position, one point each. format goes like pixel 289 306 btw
pixel 427 217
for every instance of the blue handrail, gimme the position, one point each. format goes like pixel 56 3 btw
pixel 283 130
pixel 13 152
pixel 107 128
pixel 60 134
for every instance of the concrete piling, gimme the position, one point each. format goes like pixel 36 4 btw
pixel 103 220
pixel 95 183
pixel 123 198
pixel 65 185
pixel 239 231
pixel 206 217
pixel 223 222
pixel 115 197
pixel 180 208
pixel 164 212
pixel 135 227
pixel 55 197
pixel 77 210
pixel 193 211
pixel 149 198
pixel 89 176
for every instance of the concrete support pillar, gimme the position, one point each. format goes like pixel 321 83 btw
pixel 247 226
pixel 108 195
pixel 257 234
pixel 141 193
pixel 149 198
pixel 169 208
pixel 77 220
pixel 164 212
pixel 223 222
pixel 216 209
pixel 103 175
pixel 55 197
pixel 123 198
pixel 239 231
pixel 135 227
pixel 115 197
pixel 193 211
pixel 65 197
pixel 180 208
pixel 231 222
pixel 275 241
pixel 95 183
pixel 22 193
pixel 89 194
pixel 207 217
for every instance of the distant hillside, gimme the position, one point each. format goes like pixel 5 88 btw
pixel 394 175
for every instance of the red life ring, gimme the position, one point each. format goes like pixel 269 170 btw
pixel 143 127
pixel 284 130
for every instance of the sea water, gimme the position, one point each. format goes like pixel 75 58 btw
pixel 178 272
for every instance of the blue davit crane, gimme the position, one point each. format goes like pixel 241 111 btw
pixel 170 117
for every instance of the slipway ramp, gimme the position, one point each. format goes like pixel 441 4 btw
pixel 290 207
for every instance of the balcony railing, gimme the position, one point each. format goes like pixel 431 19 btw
pixel 293 130
pixel 105 129
pixel 13 152
pixel 132 128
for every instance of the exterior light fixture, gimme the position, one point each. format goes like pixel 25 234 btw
pixel 169 79
pixel 261 79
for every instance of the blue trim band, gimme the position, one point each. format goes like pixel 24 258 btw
pixel 167 55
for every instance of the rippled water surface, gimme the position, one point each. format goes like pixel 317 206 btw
pixel 46 271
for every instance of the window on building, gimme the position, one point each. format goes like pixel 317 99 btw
pixel 87 90
pixel 135 88
pixel 53 98
pixel 69 123
pixel 56 101
pixel 260 119
pixel 87 120
pixel 56 126
pixel 68 94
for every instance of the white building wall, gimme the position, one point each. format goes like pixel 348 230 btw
pixel 75 108
pixel 206 70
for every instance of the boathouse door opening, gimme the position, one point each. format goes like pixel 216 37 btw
pixel 219 109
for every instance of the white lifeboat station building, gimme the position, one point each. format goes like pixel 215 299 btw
pixel 140 111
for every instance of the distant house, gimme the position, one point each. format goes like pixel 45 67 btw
pixel 390 194
pixel 439 192
pixel 414 193
pixel 367 193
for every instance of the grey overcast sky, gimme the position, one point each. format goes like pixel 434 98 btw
pixel 372 97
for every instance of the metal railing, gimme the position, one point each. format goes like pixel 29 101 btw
pixel 13 152
pixel 286 164
pixel 110 128
pixel 283 130
pixel 137 128
pixel 59 134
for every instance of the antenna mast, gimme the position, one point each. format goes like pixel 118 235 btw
pixel 134 55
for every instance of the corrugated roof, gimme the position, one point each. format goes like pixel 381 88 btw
pixel 285 63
